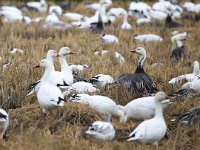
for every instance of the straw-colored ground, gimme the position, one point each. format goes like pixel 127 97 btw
pixel 64 128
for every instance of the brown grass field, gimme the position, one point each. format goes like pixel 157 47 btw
pixel 64 128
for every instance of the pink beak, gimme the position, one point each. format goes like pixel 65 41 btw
pixel 72 53
pixel 168 97
pixel 37 66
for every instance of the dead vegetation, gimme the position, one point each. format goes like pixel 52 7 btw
pixel 64 128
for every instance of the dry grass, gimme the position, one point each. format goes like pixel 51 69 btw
pixel 64 128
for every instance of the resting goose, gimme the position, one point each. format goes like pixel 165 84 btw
pixel 37 6
pixel 15 50
pixel 55 9
pixel 188 77
pixel 148 38
pixel 108 39
pixel 4 122
pixel 141 108
pixel 190 117
pixel 48 95
pixel 153 130
pixel 101 80
pixel 139 82
pixel 101 131
pixel 101 104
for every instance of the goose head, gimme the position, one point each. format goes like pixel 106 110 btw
pixel 43 63
pixel 3 115
pixel 65 51
pixel 52 53
pixel 140 51
pixel 161 97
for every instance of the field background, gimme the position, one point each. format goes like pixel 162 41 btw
pixel 64 127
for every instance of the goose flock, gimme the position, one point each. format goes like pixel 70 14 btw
pixel 57 87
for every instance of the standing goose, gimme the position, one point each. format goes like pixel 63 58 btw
pixel 179 51
pixel 4 122
pixel 101 130
pixel 153 130
pixel 139 82
pixel 48 94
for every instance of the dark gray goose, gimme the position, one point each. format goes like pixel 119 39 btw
pixel 190 117
pixel 178 52
pixel 138 82
pixel 170 23
pixel 98 27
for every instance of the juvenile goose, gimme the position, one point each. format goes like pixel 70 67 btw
pixel 153 130
pixel 4 122
pixel 139 82
pixel 188 77
pixel 48 95
pixel 101 131
pixel 101 104
pixel 190 117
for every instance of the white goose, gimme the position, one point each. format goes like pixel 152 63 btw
pixel 141 108
pixel 78 69
pixel 153 130
pixel 55 9
pixel 48 95
pixel 148 38
pixel 38 6
pixel 101 104
pixel 188 77
pixel 108 39
pixel 4 122
pixel 179 36
pixel 74 16
pixel 101 80
pixel 101 130
pixel 13 50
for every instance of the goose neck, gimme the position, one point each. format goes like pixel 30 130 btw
pixel 63 63
pixel 179 43
pixel 47 73
pixel 196 70
pixel 158 110
pixel 141 61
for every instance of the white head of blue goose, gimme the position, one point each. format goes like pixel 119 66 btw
pixel 142 53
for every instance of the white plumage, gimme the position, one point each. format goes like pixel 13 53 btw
pixel 108 39
pixel 148 38
pixel 101 80
pixel 4 122
pixel 153 130
pixel 101 130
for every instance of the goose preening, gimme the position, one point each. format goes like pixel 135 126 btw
pixel 139 82
pixel 48 95
pixel 81 88
pixel 101 80
pixel 188 77
pixel 141 108
pixel 153 130
pixel 101 104
pixel 148 38
pixel 103 131
pixel 108 39
pixel 190 117
pixel 4 122
pixel 37 6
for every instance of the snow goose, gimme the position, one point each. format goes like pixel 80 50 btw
pixel 81 88
pixel 101 104
pixel 101 130
pixel 139 6
pixel 78 69
pixel 108 39
pixel 179 36
pixel 55 9
pixel 141 108
pixel 101 80
pixel 120 58
pixel 148 38
pixel 188 77
pixel 179 51
pixel 13 50
pixel 169 23
pixel 190 117
pixel 52 18
pixel 153 130
pixel 139 82
pixel 74 16
pixel 11 8
pixel 4 122
pixel 95 6
pixel 121 12
pixel 65 70
pixel 38 6
pixel 48 95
